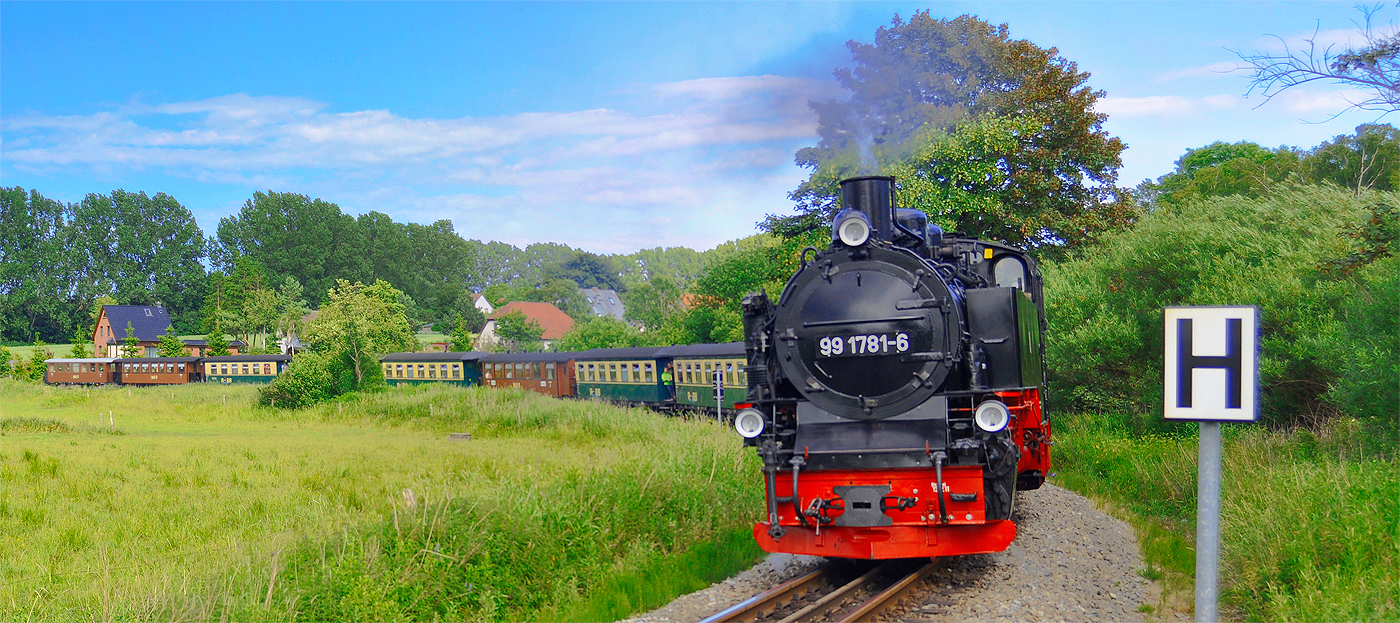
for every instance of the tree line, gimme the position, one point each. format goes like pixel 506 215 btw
pixel 59 262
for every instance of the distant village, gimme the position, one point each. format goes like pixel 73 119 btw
pixel 150 322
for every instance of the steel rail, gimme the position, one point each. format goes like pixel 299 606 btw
pixel 763 603
pixel 826 607
pixel 889 597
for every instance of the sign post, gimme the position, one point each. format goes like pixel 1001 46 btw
pixel 1211 375
pixel 719 396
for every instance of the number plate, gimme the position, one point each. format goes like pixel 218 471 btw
pixel 869 345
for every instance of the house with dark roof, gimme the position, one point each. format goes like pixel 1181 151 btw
pixel 148 323
pixel 604 302
pixel 553 320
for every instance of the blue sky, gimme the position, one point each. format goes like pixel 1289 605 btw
pixel 605 126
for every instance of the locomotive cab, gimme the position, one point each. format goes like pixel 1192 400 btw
pixel 895 388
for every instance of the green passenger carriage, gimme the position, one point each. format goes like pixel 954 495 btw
pixel 622 375
pixel 695 366
pixel 237 369
pixel 462 369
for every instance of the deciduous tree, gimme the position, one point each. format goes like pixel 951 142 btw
pixel 170 344
pixel 358 323
pixel 601 332
pixel 931 74
pixel 516 332
pixel 131 344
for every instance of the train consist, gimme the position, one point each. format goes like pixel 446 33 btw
pixel 165 370
pixel 894 389
pixel 635 376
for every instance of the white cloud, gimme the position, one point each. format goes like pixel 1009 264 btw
pixel 1155 105
pixel 1223 100
pixel 589 171
pixel 1226 69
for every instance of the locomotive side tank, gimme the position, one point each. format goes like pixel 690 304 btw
pixel 894 388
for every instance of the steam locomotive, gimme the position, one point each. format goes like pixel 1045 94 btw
pixel 894 389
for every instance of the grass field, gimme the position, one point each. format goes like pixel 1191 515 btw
pixel 196 504
pixel 1309 521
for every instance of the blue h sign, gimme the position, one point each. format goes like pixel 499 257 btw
pixel 1212 370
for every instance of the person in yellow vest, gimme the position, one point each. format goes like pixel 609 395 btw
pixel 669 380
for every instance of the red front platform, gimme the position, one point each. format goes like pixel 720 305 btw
pixel 889 542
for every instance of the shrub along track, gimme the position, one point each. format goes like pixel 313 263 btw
pixel 1069 562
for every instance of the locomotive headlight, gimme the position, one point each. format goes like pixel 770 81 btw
pixel 749 423
pixel 852 227
pixel 992 416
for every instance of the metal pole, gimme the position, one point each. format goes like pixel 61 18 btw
pixel 1207 522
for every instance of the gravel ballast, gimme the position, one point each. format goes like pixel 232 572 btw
pixel 1070 562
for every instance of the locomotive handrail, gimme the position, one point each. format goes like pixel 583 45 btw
pixel 802 257
pixel 830 323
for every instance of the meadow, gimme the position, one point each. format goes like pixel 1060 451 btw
pixel 1308 518
pixel 193 503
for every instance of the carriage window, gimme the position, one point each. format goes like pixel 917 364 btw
pixel 182 368
pixel 592 372
pixel 245 368
pixel 612 372
pixel 582 372
pixel 647 370
pixel 145 367
pixel 432 371
pixel 729 373
pixel 626 377
pixel 456 370
pixel 549 370
pixel 388 370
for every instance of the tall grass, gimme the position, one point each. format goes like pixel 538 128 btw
pixel 1308 521
pixel 209 507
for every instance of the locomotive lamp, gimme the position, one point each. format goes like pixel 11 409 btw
pixel 749 423
pixel 852 227
pixel 992 416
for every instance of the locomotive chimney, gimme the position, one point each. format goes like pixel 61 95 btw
pixel 873 195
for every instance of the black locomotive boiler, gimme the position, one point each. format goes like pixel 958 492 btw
pixel 895 388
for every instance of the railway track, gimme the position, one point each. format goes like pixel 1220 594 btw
pixel 830 593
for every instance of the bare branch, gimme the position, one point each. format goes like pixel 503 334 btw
pixel 1374 68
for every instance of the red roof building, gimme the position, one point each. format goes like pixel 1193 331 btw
pixel 553 320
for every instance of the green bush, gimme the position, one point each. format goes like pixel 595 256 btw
pixel 311 378
pixel 1318 343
